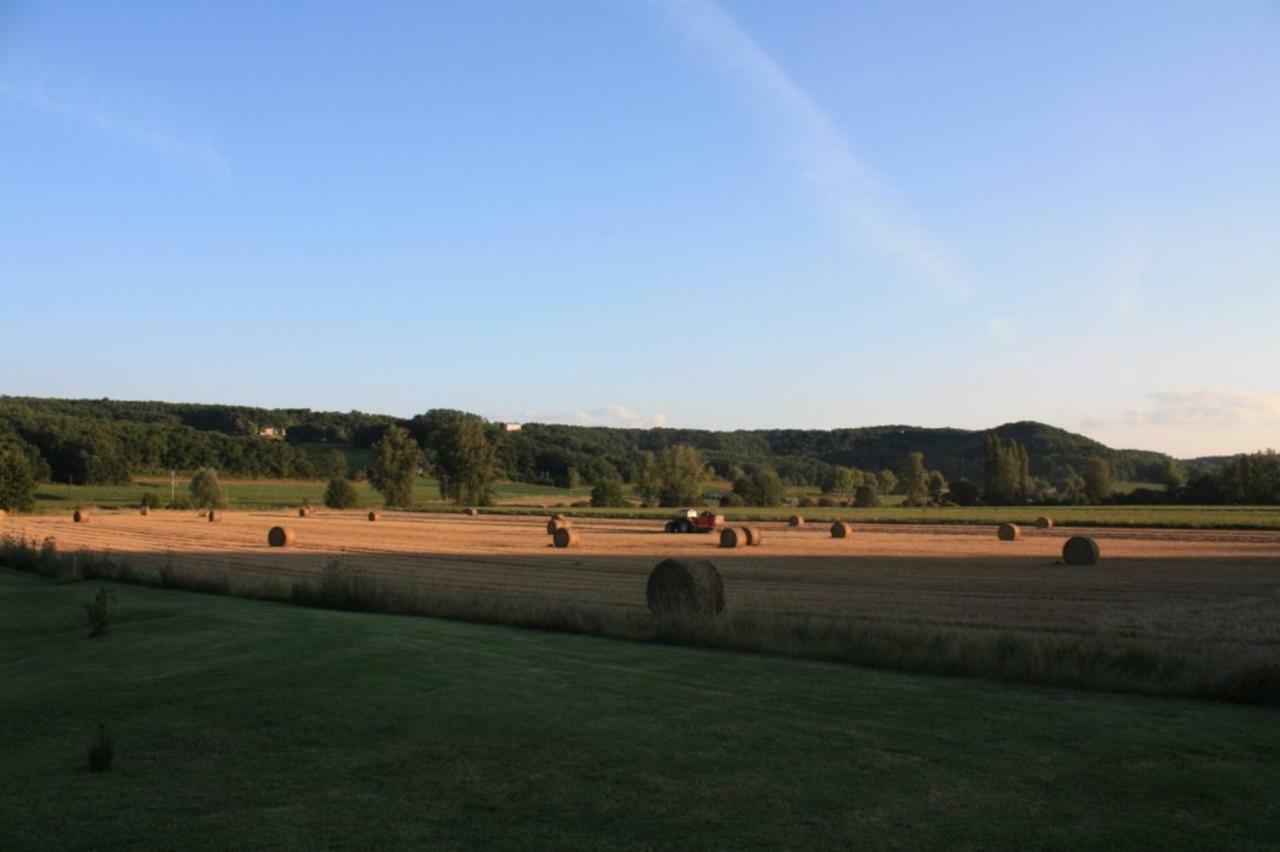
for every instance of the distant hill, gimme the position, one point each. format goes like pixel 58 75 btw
pixel 1055 453
pixel 86 439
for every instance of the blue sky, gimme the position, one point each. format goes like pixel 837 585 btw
pixel 730 215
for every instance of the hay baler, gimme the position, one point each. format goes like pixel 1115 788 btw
pixel 693 521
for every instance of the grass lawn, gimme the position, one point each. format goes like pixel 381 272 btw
pixel 242 723
pixel 268 494
pixel 260 494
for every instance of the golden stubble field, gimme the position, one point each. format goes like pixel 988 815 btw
pixel 1189 587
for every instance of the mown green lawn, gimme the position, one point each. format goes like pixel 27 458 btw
pixel 250 724
pixel 258 494
pixel 289 493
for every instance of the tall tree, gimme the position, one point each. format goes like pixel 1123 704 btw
pixel 1006 471
pixel 648 482
pixel 937 487
pixel 396 460
pixel 467 462
pixel 681 473
pixel 915 480
pixel 762 488
pixel 17 481
pixel 1097 480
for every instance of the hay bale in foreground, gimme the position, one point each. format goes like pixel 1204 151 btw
pixel 733 537
pixel 840 529
pixel 795 521
pixel 1080 550
pixel 281 537
pixel 373 516
pixel 215 517
pixel 304 511
pixel 471 511
pixel 1044 523
pixel 81 516
pixel 691 587
pixel 1009 532
pixel 558 522
pixel 754 536
pixel 144 511
pixel 566 537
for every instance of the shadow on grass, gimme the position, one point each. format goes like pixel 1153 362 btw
pixel 1102 662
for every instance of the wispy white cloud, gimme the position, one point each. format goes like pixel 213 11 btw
pixel 1197 407
pixel 617 415
pixel 610 415
pixel 828 162
pixel 138 130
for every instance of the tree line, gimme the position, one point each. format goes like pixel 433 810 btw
pixel 109 442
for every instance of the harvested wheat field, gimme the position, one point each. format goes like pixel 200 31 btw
pixel 1190 587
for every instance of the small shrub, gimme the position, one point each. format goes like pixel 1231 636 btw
pixel 150 500
pixel 607 492
pixel 805 502
pixel 341 494
pixel 101 752
pixel 732 500
pixel 98 611
pixel 206 490
pixel 866 497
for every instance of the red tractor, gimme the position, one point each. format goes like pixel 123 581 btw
pixel 691 521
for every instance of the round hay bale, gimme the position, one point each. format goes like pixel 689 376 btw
pixel 471 511
pixel 795 521
pixel 566 537
pixel 841 530
pixel 144 511
pixel 755 536
pixel 558 523
pixel 215 517
pixel 81 516
pixel 1009 532
pixel 733 537
pixel 1044 523
pixel 304 511
pixel 1080 550
pixel 373 516
pixel 691 587
pixel 281 537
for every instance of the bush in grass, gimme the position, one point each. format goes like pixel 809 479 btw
pixel 101 752
pixel 341 494
pixel 805 502
pixel 17 482
pixel 866 497
pixel 98 611
pixel 607 492
pixel 150 500
pixel 206 491
pixel 732 500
